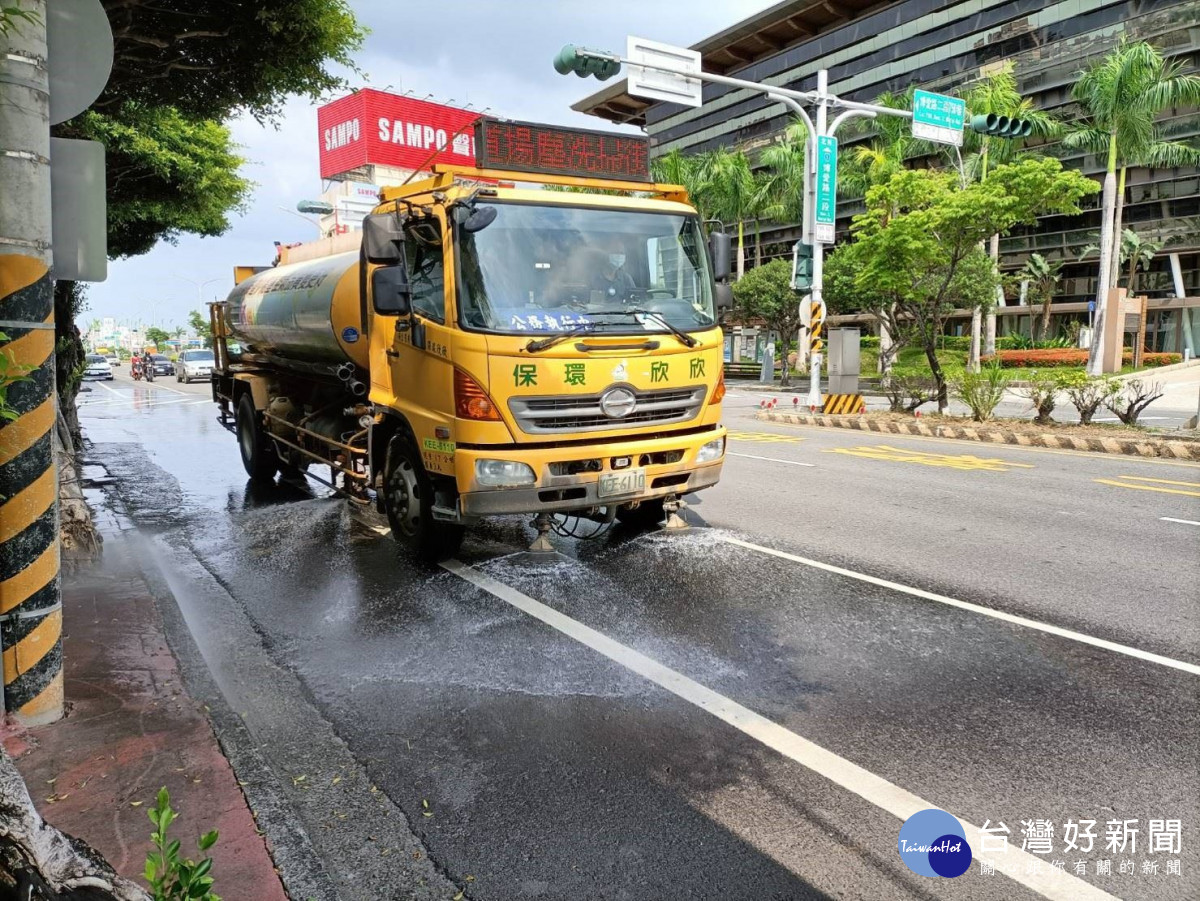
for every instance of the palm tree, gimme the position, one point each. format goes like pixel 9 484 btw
pixel 1042 276
pixel 867 165
pixel 689 170
pixel 1121 96
pixel 735 194
pixel 998 94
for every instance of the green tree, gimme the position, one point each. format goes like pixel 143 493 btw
pixel 1042 277
pixel 873 163
pixel 689 170
pixel 917 247
pixel 998 94
pixel 734 194
pixel 201 326
pixel 782 185
pixel 1121 97
pixel 765 292
pixel 157 336
pixel 1138 253
pixel 168 174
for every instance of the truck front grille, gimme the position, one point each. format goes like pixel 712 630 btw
pixel 582 413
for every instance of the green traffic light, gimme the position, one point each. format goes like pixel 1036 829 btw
pixel 1001 126
pixel 584 62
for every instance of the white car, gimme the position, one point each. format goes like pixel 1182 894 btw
pixel 113 361
pixel 194 364
pixel 96 367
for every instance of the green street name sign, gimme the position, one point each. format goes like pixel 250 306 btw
pixel 825 211
pixel 938 118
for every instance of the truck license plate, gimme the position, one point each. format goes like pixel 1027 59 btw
pixel 628 481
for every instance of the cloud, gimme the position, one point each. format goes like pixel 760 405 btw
pixel 492 54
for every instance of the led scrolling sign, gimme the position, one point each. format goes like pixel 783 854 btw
pixel 546 150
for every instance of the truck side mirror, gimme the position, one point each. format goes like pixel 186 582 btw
pixel 723 295
pixel 390 290
pixel 720 248
pixel 383 238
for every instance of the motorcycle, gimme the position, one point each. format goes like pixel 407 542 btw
pixel 148 366
pixel 135 370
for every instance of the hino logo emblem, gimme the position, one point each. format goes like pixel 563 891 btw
pixel 617 403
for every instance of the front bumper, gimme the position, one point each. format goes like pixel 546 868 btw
pixel 565 493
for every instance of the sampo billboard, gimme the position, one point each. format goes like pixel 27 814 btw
pixel 374 127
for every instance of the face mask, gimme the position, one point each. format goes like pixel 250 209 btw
pixel 617 260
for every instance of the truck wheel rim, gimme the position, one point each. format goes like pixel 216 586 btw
pixel 403 497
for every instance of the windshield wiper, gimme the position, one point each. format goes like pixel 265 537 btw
pixel 678 333
pixel 538 344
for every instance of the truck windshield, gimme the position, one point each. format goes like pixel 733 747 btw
pixel 550 269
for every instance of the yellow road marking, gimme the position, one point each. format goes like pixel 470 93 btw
pixel 966 462
pixel 1160 481
pixel 766 437
pixel 1147 488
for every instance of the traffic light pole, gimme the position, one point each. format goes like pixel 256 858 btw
pixel 603 65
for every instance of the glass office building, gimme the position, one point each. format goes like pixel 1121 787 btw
pixel 944 46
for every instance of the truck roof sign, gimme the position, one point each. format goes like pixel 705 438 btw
pixel 549 150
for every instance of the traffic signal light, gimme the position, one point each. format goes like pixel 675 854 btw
pixel 584 62
pixel 1001 126
pixel 802 266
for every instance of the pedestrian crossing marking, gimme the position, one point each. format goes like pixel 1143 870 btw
pixel 764 437
pixel 1116 484
pixel 964 462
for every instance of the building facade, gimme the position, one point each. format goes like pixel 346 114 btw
pixel 944 46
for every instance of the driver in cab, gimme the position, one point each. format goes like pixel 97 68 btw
pixel 612 281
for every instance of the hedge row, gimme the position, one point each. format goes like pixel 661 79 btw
pixel 1051 357
pixel 946 342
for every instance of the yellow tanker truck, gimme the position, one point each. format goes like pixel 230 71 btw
pixel 492 347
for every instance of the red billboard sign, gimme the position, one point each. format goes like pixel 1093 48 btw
pixel 385 129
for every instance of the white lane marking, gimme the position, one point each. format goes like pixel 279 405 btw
pixel 1027 869
pixel 106 388
pixel 974 608
pixel 768 459
pixel 141 402
pixel 1186 522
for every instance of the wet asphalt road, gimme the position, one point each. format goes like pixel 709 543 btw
pixel 429 736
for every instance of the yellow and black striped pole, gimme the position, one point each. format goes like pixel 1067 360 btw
pixel 816 328
pixel 30 602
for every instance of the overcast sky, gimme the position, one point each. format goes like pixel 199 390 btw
pixel 495 53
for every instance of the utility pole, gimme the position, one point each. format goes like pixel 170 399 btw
pixel 30 598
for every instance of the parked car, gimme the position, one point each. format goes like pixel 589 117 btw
pixel 162 366
pixel 96 367
pixel 113 361
pixel 194 364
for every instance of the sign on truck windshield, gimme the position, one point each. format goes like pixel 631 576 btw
pixel 556 268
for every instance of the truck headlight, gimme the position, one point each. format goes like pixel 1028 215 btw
pixel 711 451
pixel 497 473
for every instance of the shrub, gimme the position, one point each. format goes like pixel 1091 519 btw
pixel 868 341
pixel 1046 357
pixel 907 391
pixel 982 391
pixel 1128 401
pixel 1088 393
pixel 171 877
pixel 1042 392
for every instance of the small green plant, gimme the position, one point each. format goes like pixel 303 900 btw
pixel 1129 401
pixel 907 391
pixel 982 391
pixel 1017 341
pixel 1088 393
pixel 170 878
pixel 11 372
pixel 1041 391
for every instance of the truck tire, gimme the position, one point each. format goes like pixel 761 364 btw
pixel 258 453
pixel 645 515
pixel 408 501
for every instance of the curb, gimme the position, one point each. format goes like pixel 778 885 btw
pixel 1133 447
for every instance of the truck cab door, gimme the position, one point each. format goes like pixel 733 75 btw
pixel 418 379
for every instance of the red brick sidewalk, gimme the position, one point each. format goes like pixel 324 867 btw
pixel 131 729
